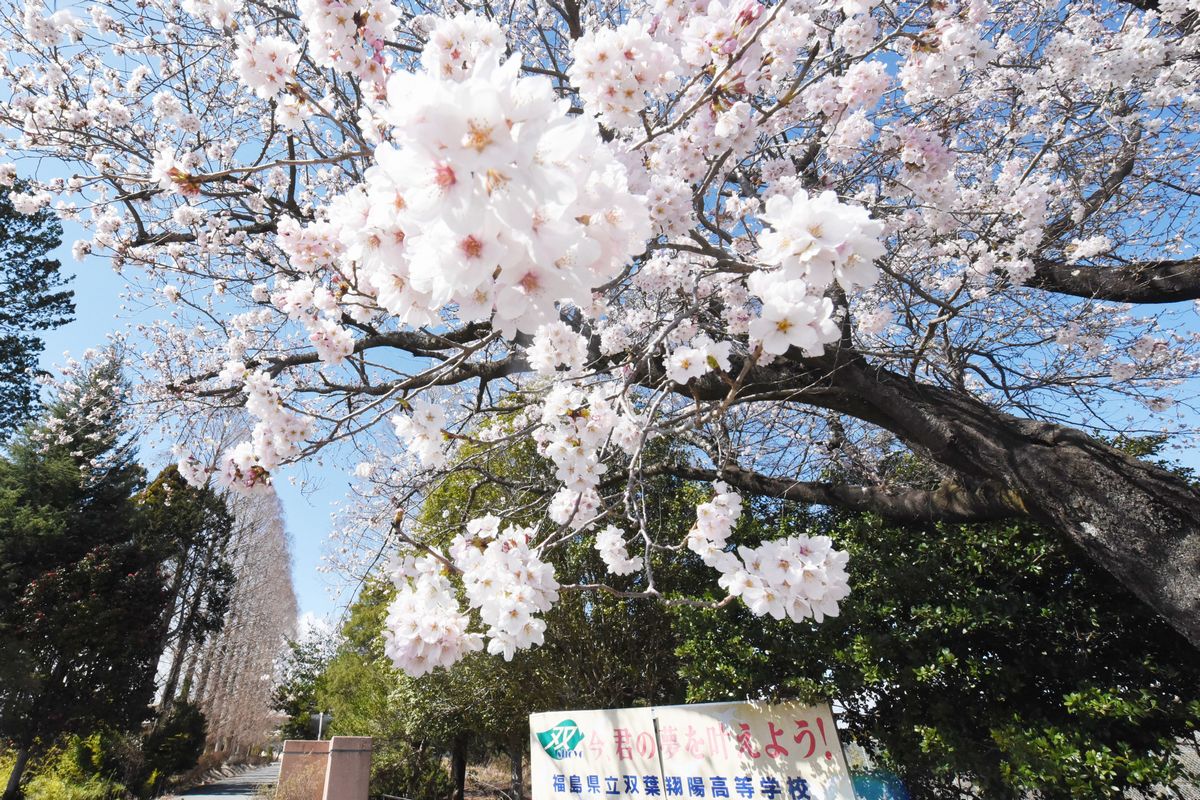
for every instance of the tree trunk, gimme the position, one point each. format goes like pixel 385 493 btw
pixel 516 759
pixel 213 659
pixel 185 691
pixel 458 765
pixel 13 790
pixel 190 609
pixel 1139 522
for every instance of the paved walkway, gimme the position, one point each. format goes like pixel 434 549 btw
pixel 244 785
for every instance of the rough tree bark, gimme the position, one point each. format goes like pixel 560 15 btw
pixel 458 765
pixel 1139 522
pixel 1149 282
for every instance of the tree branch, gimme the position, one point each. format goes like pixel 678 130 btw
pixel 1144 282
pixel 948 503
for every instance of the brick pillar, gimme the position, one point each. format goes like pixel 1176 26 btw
pixel 303 769
pixel 348 775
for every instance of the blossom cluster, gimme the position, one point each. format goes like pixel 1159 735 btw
pixel 218 13
pixel 946 54
pixel 349 35
pixel 504 580
pixel 616 68
pixel 426 628
pixel 820 239
pixel 812 242
pixel 301 300
pixel 575 427
pixel 267 65
pixel 422 431
pixel 556 345
pixel 799 577
pixel 723 37
pixel 456 44
pixel 49 30
pixel 699 357
pixel 715 521
pixel 276 436
pixel 309 249
pixel 610 543
pixel 488 198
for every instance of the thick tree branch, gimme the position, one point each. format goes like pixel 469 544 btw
pixel 1137 520
pixel 1145 282
pixel 1158 281
pixel 948 503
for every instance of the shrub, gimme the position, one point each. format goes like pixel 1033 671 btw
pixel 56 787
pixel 173 747
pixel 399 768
pixel 79 768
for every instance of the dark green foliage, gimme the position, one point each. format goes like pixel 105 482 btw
pixel 986 652
pixel 81 590
pixel 402 770
pixel 84 598
pixel 172 747
pixel 296 694
pixel 76 649
pixel 33 301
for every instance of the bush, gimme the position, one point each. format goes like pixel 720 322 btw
pixel 56 787
pixel 173 747
pixel 399 768
pixel 80 768
pixel 107 764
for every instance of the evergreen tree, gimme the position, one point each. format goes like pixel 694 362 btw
pixel 81 588
pixel 34 300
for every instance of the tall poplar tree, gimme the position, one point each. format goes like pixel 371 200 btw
pixel 193 527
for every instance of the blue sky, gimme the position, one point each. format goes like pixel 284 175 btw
pixel 97 305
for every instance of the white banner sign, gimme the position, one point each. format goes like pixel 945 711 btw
pixel 714 751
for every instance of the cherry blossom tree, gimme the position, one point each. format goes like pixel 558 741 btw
pixel 785 239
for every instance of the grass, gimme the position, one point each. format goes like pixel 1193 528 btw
pixel 493 778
